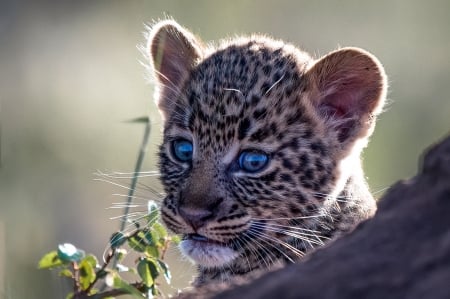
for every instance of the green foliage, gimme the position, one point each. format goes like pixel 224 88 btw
pixel 69 253
pixel 150 242
pixel 50 260
pixel 84 270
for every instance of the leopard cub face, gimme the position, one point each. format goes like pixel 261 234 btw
pixel 260 155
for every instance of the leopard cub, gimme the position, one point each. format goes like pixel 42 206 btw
pixel 260 159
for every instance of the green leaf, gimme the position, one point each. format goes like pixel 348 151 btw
pixel 137 243
pixel 91 259
pixel 148 236
pixel 152 213
pixel 152 251
pixel 94 291
pixel 145 273
pixel 148 271
pixel 166 271
pixel 66 273
pixel 154 293
pixel 69 253
pixel 175 239
pixel 50 260
pixel 87 271
pixel 117 239
pixel 159 240
pixel 114 280
pixel 142 119
pixel 160 230
pixel 120 254
pixel 69 296
pixel 154 268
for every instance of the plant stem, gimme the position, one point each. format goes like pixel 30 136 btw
pixel 137 170
pixel 111 254
pixel 76 277
pixel 116 292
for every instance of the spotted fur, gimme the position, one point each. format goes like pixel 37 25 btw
pixel 310 117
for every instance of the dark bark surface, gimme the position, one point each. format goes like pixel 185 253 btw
pixel 403 252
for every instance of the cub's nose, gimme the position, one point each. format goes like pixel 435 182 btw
pixel 195 217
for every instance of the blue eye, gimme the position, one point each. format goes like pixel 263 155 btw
pixel 252 161
pixel 182 149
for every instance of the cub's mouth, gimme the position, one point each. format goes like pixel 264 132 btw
pixel 200 238
pixel 207 252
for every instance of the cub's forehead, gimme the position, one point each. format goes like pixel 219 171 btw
pixel 239 72
pixel 240 93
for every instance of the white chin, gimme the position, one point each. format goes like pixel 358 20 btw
pixel 206 254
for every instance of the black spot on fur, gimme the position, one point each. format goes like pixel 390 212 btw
pixel 294 118
pixel 319 165
pixel 293 143
pixel 294 210
pixel 307 134
pixel 318 148
pixel 279 187
pixel 276 77
pixel 323 180
pixel 286 177
pixel 255 100
pixel 265 87
pixel 191 121
pixel 258 113
pixel 304 159
pixel 305 183
pixel 270 177
pixel 300 197
pixel 192 98
pixel 287 164
pixel 244 125
pixel 267 69
pixel 259 135
pixel 309 174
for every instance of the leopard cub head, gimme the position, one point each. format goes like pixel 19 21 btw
pixel 261 144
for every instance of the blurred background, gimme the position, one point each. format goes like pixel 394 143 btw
pixel 71 77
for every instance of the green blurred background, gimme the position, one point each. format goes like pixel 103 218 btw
pixel 70 77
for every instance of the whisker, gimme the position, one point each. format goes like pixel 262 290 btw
pixel 260 236
pixel 302 229
pixel 234 89
pixel 133 196
pixel 115 184
pixel 296 234
pixel 259 245
pixel 123 205
pixel 128 216
pixel 327 196
pixel 291 218
pixel 151 189
pixel 126 175
pixel 381 190
pixel 173 88
pixel 236 241
pixel 274 84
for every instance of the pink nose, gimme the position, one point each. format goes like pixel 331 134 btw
pixel 196 218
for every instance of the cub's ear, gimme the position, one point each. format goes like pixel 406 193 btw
pixel 174 51
pixel 348 90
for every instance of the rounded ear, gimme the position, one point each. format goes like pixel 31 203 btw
pixel 174 51
pixel 348 89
